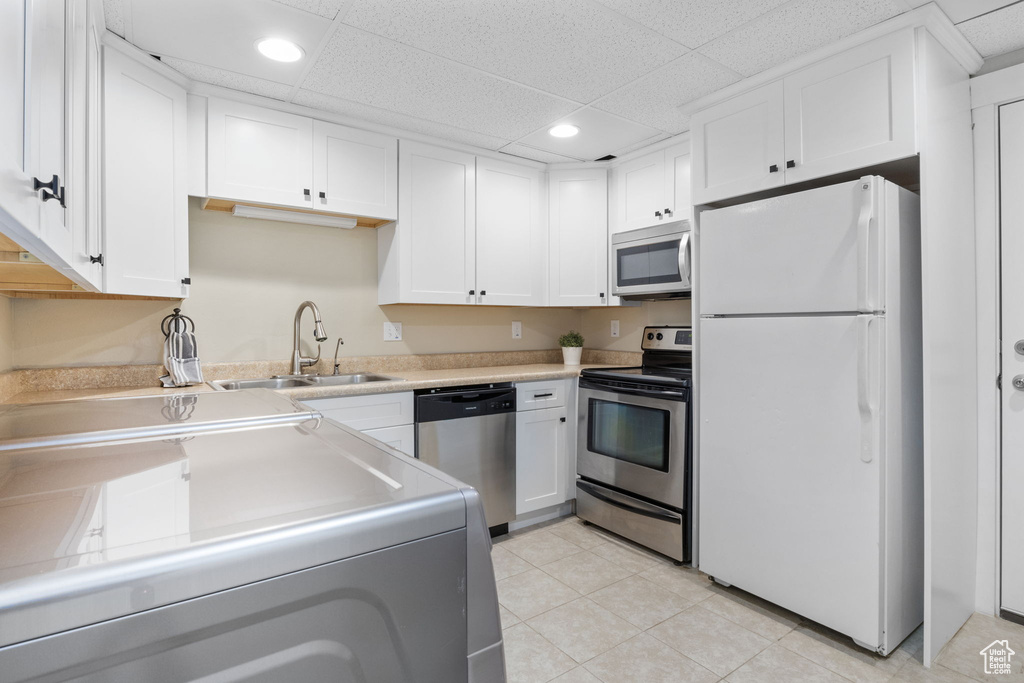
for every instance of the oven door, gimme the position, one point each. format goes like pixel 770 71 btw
pixel 634 440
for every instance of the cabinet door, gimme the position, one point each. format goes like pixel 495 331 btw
pixel 511 249
pixel 145 199
pixel 19 205
pixel 540 459
pixel 678 196
pixel 366 412
pixel 851 111
pixel 737 144
pixel 578 237
pixel 639 192
pixel 259 155
pixel 354 172
pixel 401 438
pixel 436 225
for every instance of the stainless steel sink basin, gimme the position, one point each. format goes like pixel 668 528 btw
pixel 286 382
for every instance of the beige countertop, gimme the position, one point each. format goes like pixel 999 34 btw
pixel 408 380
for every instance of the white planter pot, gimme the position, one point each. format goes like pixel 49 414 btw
pixel 571 354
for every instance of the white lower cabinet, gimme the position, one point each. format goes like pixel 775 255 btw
pixel 542 429
pixel 386 417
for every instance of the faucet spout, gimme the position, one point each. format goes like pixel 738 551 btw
pixel 298 360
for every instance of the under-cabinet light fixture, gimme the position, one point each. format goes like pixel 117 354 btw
pixel 279 49
pixel 244 211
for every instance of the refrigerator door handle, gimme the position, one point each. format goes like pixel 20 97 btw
pixel 864 220
pixel 684 258
pixel 867 388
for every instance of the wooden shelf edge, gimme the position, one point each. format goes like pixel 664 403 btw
pixel 227 205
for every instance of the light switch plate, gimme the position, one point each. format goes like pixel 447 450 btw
pixel 615 328
pixel 392 331
pixel 517 329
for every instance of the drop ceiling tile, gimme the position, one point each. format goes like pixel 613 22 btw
pixel 384 117
pixel 223 34
pixel 600 133
pixel 997 32
pixel 361 67
pixel 113 16
pixel 692 22
pixel 527 152
pixel 325 8
pixel 572 48
pixel 793 29
pixel 640 145
pixel 229 79
pixel 962 10
pixel 655 99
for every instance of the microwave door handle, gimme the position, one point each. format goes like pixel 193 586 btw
pixel 635 506
pixel 684 257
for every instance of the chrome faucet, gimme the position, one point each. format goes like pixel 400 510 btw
pixel 298 360
pixel 337 348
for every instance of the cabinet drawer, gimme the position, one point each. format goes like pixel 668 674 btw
pixel 535 395
pixel 367 412
pixel 401 438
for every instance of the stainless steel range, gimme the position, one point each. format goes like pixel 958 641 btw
pixel 634 446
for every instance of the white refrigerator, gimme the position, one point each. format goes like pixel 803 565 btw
pixel 809 399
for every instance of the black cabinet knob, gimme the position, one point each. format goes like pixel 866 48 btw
pixel 668 212
pixel 186 280
pixel 323 195
pixel 306 193
pixel 790 164
pixel 657 214
pixel 561 419
pixel 601 295
pixel 483 292
pixel 472 292
pixel 96 259
pixel 774 168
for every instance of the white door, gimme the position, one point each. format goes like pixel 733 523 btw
pixel 540 459
pixel 678 194
pixel 790 497
pixel 811 252
pixel 436 224
pixel 511 249
pixel 738 145
pixel 19 205
pixel 639 192
pixel 354 172
pixel 1011 171
pixel 145 201
pixel 851 111
pixel 259 155
pixel 578 237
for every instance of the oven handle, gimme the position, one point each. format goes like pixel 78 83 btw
pixel 667 394
pixel 634 506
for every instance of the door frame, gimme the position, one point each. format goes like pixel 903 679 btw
pixel 988 93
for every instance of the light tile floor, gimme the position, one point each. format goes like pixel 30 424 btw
pixel 580 605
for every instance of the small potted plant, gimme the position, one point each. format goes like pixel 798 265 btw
pixel 572 347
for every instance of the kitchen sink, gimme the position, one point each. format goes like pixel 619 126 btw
pixel 288 381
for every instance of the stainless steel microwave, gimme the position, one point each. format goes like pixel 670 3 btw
pixel 652 263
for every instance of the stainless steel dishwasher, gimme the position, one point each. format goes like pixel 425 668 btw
pixel 470 434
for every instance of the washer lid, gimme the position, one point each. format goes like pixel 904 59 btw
pixel 97 531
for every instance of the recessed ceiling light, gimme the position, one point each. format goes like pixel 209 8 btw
pixel 279 49
pixel 564 130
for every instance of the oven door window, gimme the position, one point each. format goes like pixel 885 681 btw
pixel 649 264
pixel 632 433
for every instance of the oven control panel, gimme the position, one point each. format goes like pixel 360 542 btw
pixel 666 338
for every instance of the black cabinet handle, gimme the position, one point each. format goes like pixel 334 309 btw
pixel 561 419
pixel 472 292
pixel 790 164
pixel 774 168
pixel 549 395
pixel 51 190
pixel 323 195
pixel 483 292
pixel 601 295
pixel 186 280
pixel 668 212
pixel 96 259
pixel 658 214
pixel 306 193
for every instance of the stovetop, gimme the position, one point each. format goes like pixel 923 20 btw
pixel 667 360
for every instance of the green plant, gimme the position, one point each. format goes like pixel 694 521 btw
pixel 571 338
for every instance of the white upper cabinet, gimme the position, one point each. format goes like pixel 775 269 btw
pixel 511 250
pixel 144 182
pixel 259 155
pixel 19 205
pixel 578 237
pixel 428 256
pixel 738 145
pixel 652 189
pixel 354 172
pixel 850 111
pixel 264 156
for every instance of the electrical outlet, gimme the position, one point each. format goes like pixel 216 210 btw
pixel 517 329
pixel 392 331
pixel 615 328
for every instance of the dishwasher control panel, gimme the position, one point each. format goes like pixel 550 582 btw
pixel 452 403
